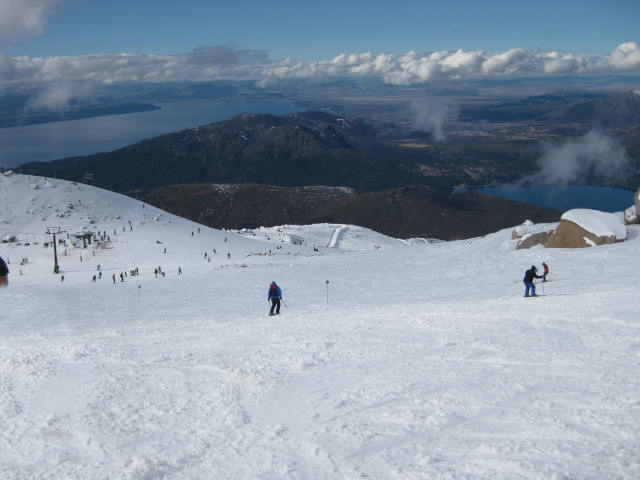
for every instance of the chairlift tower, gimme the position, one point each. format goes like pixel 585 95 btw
pixel 55 231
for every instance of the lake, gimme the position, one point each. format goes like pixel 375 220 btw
pixel 563 198
pixel 51 141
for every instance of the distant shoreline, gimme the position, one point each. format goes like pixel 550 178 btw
pixel 25 119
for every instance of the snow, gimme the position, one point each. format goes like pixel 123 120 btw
pixel 426 362
pixel 602 224
pixel 631 215
pixel 327 236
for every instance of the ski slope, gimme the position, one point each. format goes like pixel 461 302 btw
pixel 424 361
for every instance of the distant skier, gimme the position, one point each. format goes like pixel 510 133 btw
pixel 4 273
pixel 274 295
pixel 529 276
pixel 545 271
pixel 179 270
pixel 93 280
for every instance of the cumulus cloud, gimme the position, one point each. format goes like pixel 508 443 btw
pixel 21 17
pixel 207 63
pixel 430 116
pixel 594 154
pixel 414 68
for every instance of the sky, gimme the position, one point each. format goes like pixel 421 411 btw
pixel 323 30
pixel 70 46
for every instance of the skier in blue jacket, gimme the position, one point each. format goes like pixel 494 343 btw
pixel 275 295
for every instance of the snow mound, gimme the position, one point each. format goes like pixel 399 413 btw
pixel 328 236
pixel 601 224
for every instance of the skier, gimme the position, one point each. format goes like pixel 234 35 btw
pixel 275 295
pixel 93 280
pixel 545 271
pixel 529 275
pixel 4 273
pixel 179 270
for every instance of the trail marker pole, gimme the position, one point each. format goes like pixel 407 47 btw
pixel 327 282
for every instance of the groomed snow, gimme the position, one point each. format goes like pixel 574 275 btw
pixel 425 363
pixel 602 224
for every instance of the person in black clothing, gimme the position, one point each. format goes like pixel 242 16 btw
pixel 4 273
pixel 529 275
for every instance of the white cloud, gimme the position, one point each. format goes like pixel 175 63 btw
pixel 20 17
pixel 430 115
pixel 226 62
pixel 625 56
pixel 595 153
pixel 57 97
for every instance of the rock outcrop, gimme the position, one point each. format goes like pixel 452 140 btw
pixel 533 239
pixel 581 228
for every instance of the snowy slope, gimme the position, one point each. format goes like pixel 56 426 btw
pixel 426 361
pixel 328 235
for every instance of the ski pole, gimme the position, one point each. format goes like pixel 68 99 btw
pixel 327 292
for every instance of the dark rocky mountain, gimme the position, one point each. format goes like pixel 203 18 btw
pixel 299 149
pixel 309 148
pixel 614 111
pixel 412 211
pixel 610 111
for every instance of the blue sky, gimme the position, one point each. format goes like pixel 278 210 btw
pixel 320 30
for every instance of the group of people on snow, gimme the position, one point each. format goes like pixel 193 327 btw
pixel 529 277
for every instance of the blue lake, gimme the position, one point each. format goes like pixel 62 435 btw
pixel 51 141
pixel 563 198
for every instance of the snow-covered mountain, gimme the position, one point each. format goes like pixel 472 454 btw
pixel 416 360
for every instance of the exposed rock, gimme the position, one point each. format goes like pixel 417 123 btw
pixel 533 239
pixel 581 228
pixel 637 201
